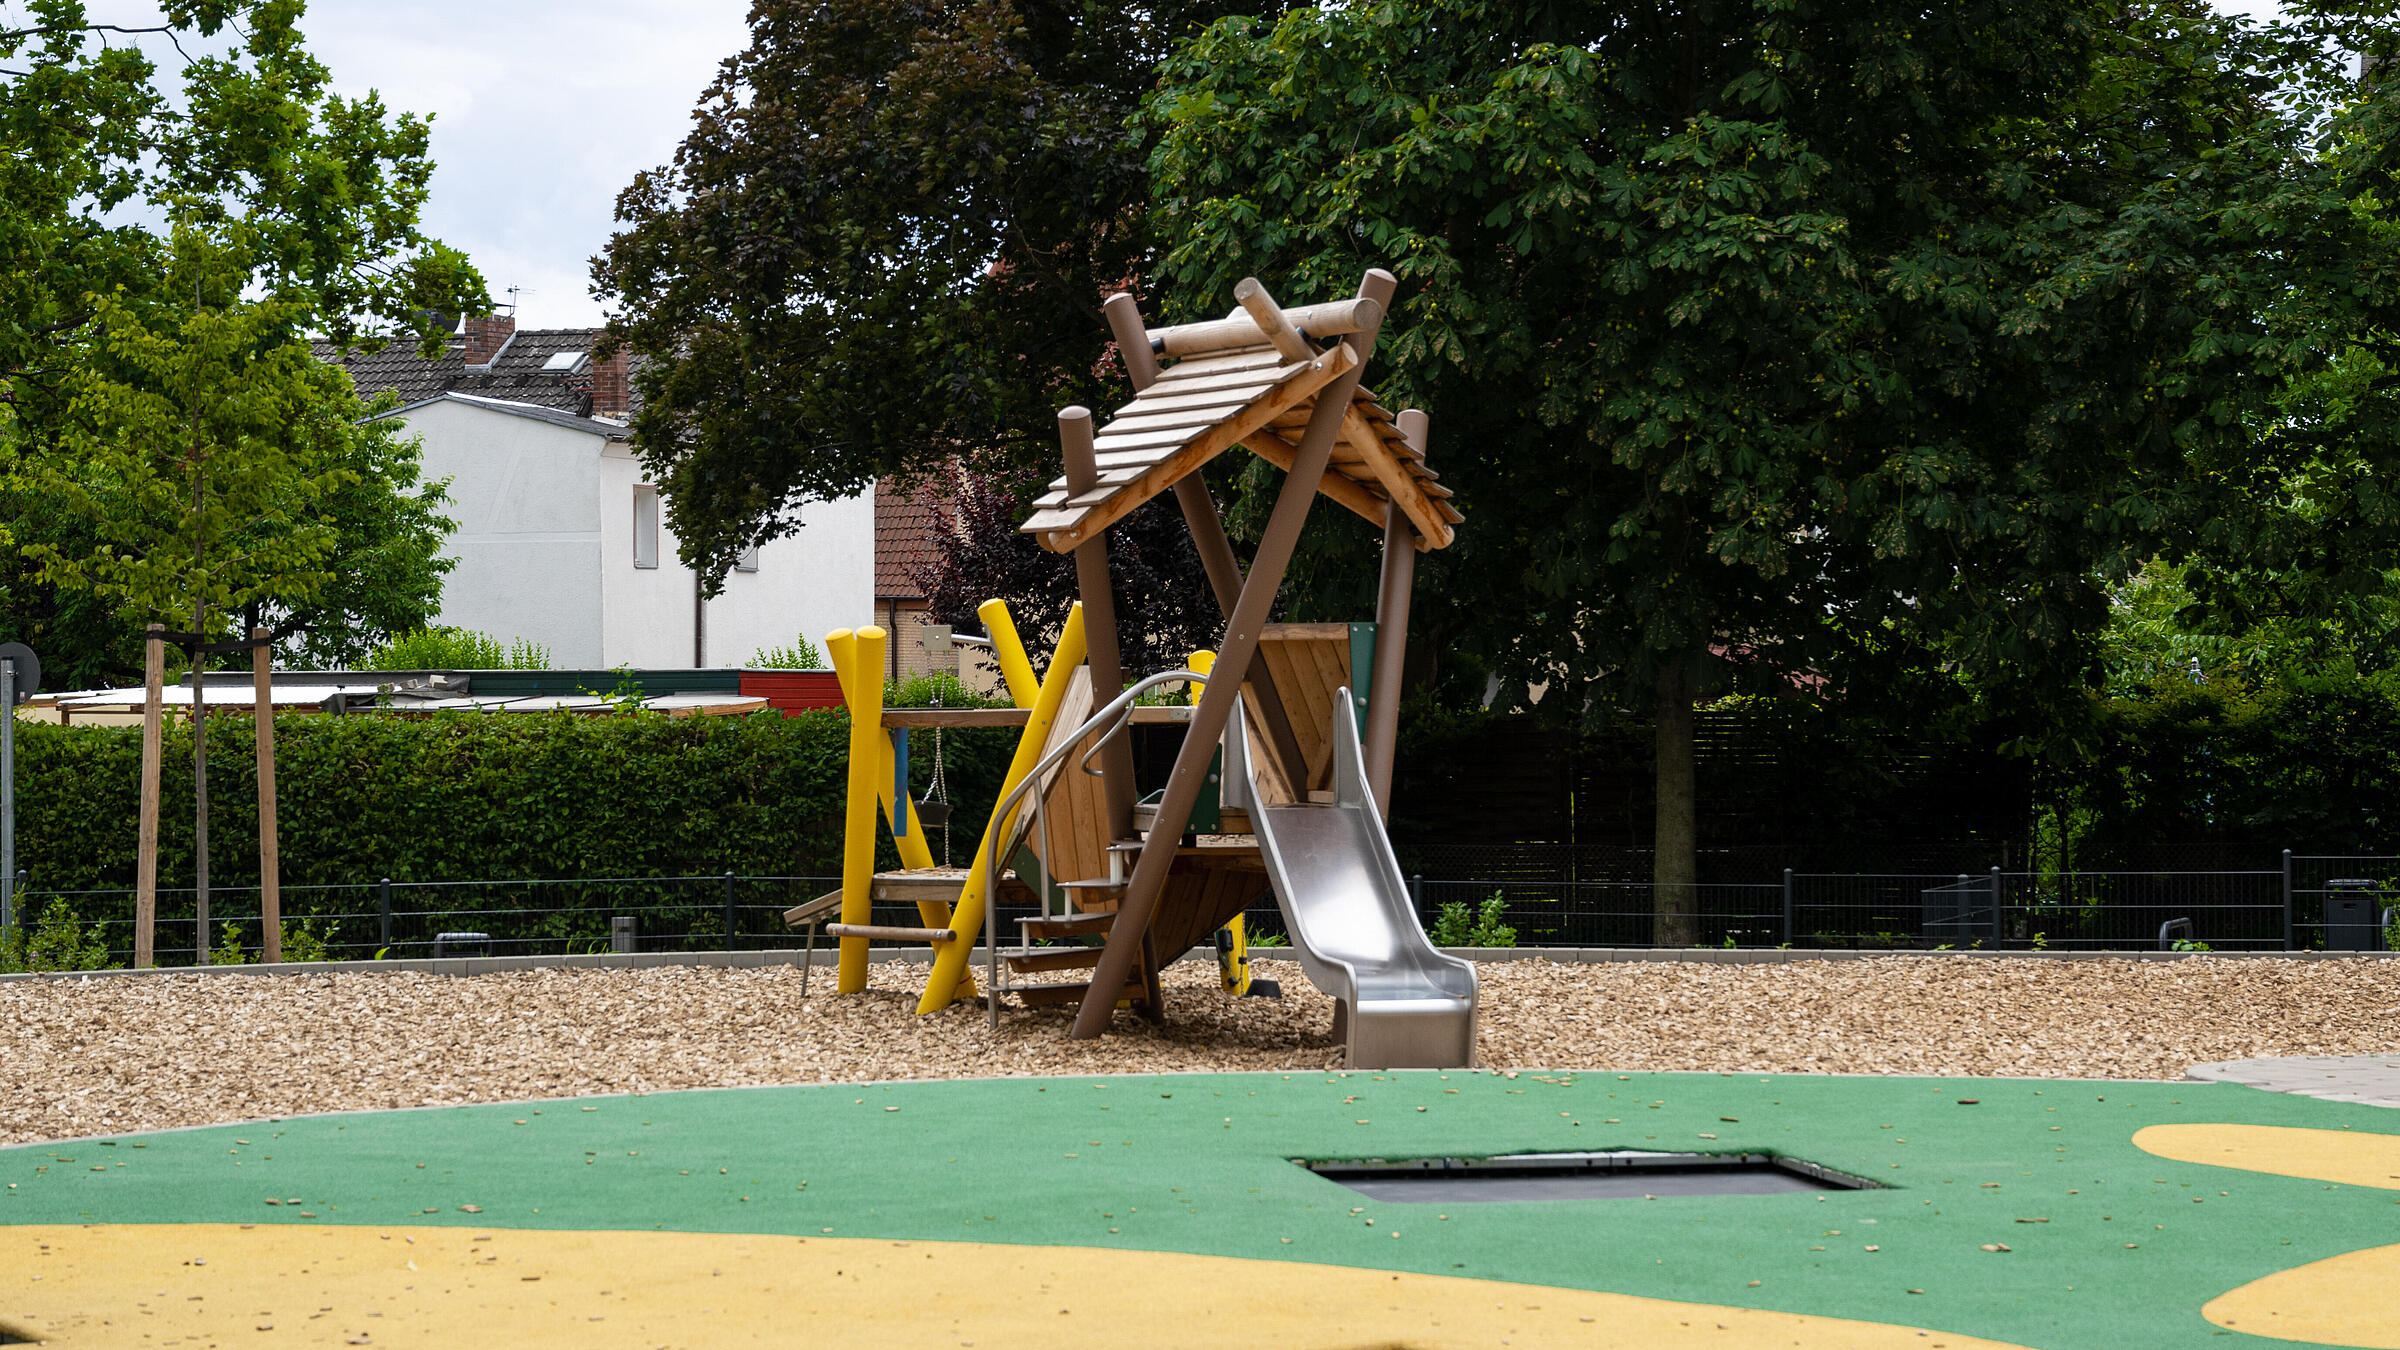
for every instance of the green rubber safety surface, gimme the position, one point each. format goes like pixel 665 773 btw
pixel 2107 1245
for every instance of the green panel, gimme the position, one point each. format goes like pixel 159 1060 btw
pixel 1362 670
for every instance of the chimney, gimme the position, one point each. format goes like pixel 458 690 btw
pixel 611 389
pixel 485 337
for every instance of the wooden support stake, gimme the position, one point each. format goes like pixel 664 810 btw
pixel 1269 317
pixel 145 893
pixel 1133 341
pixel 1391 633
pixel 1240 645
pixel 270 878
pixel 1099 627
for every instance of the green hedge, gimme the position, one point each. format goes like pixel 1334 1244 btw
pixel 464 795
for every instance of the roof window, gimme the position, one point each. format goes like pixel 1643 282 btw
pixel 566 363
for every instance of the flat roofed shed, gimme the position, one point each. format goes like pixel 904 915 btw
pixel 1233 383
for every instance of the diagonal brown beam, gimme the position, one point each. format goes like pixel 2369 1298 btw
pixel 1225 578
pixel 1239 647
pixel 1099 625
pixel 1208 534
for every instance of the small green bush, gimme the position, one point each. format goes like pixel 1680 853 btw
pixel 59 942
pixel 457 649
pixel 801 655
pixel 1457 926
pixel 933 688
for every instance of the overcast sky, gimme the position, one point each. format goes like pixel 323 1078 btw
pixel 542 110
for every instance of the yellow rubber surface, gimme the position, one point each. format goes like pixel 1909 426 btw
pixel 144 1285
pixel 2351 1299
pixel 2349 1157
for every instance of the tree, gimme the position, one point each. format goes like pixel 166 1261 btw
pixel 1764 328
pixel 881 248
pixel 112 322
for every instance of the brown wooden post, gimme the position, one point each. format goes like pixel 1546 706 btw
pixel 1391 632
pixel 1133 340
pixel 1239 646
pixel 145 886
pixel 270 880
pixel 1099 625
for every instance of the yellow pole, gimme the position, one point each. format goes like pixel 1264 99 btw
pixel 1233 950
pixel 861 652
pixel 912 847
pixel 1009 650
pixel 950 958
pixel 1204 662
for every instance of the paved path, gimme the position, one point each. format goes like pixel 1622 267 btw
pixel 2371 1080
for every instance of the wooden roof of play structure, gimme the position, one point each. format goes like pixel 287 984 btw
pixel 1251 378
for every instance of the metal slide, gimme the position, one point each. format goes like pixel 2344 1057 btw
pixel 1405 1004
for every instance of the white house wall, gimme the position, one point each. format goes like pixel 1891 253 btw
pixel 817 580
pixel 526 496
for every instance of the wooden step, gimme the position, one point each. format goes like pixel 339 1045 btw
pixel 1030 959
pixel 1092 884
pixel 1066 925
pixel 878 930
pixel 1049 995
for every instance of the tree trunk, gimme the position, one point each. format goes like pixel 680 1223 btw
pixel 1674 866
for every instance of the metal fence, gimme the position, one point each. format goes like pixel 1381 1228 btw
pixel 2313 902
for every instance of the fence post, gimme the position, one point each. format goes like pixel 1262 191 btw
pixel 1998 929
pixel 729 907
pixel 383 908
pixel 2287 899
pixel 1416 891
pixel 1787 907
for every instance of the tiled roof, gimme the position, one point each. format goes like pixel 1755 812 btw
pixel 904 538
pixel 514 374
pixel 598 426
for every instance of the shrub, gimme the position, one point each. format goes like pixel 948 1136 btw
pixel 938 687
pixel 801 655
pixel 58 942
pixel 457 649
pixel 1457 926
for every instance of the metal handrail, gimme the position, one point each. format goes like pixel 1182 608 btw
pixel 1115 713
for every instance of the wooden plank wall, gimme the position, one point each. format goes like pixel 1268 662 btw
pixel 1309 662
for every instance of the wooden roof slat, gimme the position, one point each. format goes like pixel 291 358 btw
pixel 1249 358
pixel 1267 376
pixel 1134 440
pixel 1061 530
pixel 1360 499
pixel 1235 390
pixel 1117 459
pixel 1397 485
pixel 1201 416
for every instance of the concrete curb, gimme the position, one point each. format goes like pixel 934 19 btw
pixel 826 956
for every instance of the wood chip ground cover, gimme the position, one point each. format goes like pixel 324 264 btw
pixel 81 1057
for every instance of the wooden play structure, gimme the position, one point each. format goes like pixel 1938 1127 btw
pixel 1283 776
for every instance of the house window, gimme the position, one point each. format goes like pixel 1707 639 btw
pixel 748 562
pixel 645 525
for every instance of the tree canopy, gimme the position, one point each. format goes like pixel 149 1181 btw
pixel 164 256
pixel 881 248
pixel 1758 329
